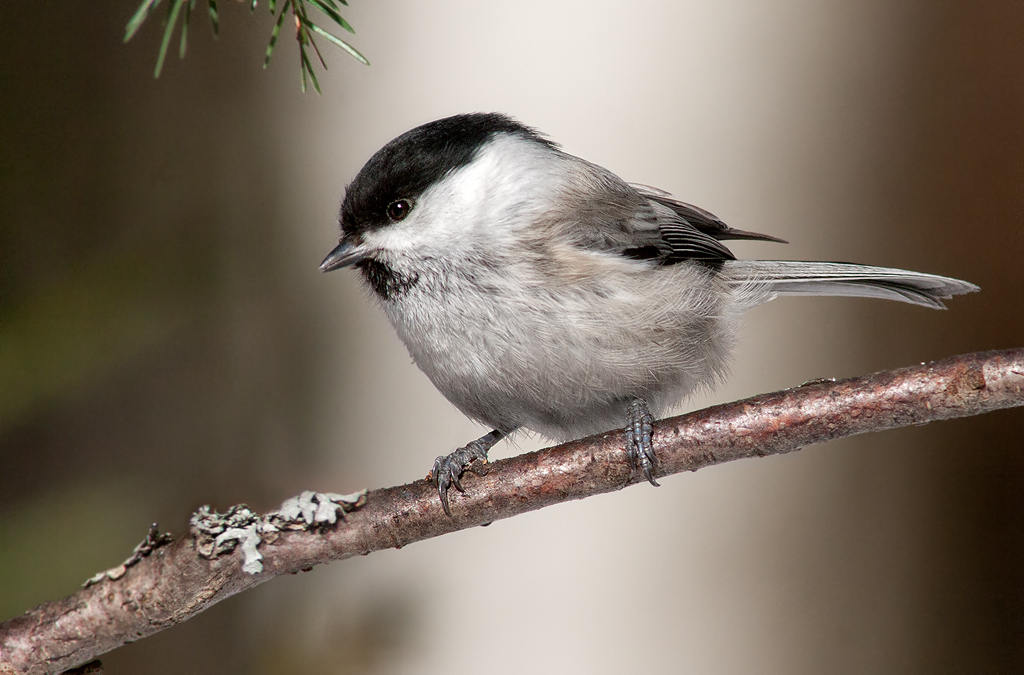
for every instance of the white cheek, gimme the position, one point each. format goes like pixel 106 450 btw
pixel 478 205
pixel 423 233
pixel 395 238
pixel 444 218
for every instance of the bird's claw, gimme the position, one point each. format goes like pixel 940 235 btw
pixel 448 469
pixel 639 446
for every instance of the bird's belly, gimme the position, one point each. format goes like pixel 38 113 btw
pixel 565 364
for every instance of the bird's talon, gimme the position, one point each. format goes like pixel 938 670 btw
pixel 444 503
pixel 448 469
pixel 639 444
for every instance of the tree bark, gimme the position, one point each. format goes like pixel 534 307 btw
pixel 167 583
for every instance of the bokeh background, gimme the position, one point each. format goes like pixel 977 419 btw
pixel 167 340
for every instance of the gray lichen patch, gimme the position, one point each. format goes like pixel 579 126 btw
pixel 315 508
pixel 216 534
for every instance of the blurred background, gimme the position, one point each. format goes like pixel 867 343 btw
pixel 166 340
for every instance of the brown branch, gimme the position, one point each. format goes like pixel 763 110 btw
pixel 169 584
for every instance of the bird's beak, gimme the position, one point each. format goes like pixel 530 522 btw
pixel 344 254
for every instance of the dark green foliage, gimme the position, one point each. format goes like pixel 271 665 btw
pixel 304 29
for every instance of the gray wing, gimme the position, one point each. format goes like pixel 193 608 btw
pixel 643 223
pixel 704 221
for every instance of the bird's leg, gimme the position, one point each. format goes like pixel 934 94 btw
pixel 638 439
pixel 449 468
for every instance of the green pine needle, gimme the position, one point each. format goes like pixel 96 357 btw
pixel 273 38
pixel 140 15
pixel 214 17
pixel 297 8
pixel 184 28
pixel 328 10
pixel 338 42
pixel 172 18
pixel 307 68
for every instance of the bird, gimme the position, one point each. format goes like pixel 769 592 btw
pixel 541 292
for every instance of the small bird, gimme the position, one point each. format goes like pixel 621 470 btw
pixel 540 291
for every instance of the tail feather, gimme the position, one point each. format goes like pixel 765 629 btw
pixel 792 277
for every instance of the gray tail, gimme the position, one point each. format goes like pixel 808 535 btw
pixel 792 277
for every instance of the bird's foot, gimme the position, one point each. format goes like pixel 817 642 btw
pixel 638 439
pixel 448 469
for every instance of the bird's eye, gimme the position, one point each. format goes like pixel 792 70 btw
pixel 399 209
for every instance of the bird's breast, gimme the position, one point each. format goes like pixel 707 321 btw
pixel 566 358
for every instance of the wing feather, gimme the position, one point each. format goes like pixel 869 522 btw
pixel 643 223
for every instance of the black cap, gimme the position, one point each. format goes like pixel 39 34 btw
pixel 418 159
